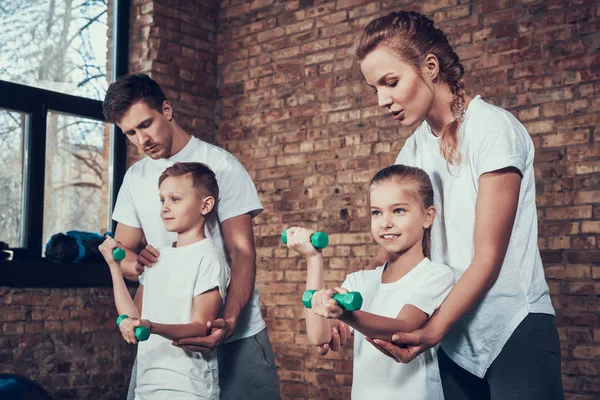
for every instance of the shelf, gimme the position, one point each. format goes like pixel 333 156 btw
pixel 48 274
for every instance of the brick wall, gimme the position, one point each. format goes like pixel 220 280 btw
pixel 66 340
pixel 175 43
pixel 293 107
pixel 296 111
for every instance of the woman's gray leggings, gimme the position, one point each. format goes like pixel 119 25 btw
pixel 527 368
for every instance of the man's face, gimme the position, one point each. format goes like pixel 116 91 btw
pixel 148 129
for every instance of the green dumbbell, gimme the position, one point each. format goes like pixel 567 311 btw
pixel 350 301
pixel 119 254
pixel 141 332
pixel 319 240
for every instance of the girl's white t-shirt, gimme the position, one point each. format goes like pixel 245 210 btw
pixel 377 376
pixel 490 139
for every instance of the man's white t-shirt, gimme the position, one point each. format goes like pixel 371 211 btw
pixel 166 372
pixel 377 376
pixel 138 206
pixel 490 139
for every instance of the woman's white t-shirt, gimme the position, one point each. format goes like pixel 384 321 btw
pixel 490 139
pixel 377 376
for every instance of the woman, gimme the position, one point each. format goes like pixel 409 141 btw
pixel 496 327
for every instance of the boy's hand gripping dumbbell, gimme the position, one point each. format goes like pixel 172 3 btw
pixel 141 332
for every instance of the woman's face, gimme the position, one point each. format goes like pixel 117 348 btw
pixel 398 86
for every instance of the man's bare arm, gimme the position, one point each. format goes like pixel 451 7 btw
pixel 239 240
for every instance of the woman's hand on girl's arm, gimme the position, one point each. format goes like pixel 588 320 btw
pixel 497 201
pixel 405 346
pixel 378 327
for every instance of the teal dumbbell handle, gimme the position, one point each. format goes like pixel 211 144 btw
pixel 119 254
pixel 319 240
pixel 350 301
pixel 141 332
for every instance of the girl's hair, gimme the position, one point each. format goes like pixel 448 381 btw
pixel 203 178
pixel 423 186
pixel 413 36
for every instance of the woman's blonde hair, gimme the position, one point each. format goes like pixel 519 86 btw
pixel 413 36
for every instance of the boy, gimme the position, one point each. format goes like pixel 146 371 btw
pixel 178 296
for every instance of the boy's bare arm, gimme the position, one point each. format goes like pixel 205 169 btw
pixel 206 307
pixel 129 239
pixel 123 300
pixel 378 327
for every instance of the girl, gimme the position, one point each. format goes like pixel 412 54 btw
pixel 499 336
pixel 400 295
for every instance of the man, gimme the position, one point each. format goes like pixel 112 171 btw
pixel 139 107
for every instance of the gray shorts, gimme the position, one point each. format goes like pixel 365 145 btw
pixel 527 368
pixel 246 370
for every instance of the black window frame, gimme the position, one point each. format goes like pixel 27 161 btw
pixel 35 104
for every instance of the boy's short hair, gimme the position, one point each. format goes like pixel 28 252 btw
pixel 203 178
pixel 128 90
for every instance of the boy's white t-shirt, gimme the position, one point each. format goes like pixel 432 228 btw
pixel 377 376
pixel 138 206
pixel 490 139
pixel 166 372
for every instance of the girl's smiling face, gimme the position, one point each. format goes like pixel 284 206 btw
pixel 398 219
pixel 398 86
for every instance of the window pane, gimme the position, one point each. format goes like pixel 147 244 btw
pixel 12 127
pixel 58 45
pixel 77 163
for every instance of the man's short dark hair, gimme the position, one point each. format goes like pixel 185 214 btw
pixel 128 90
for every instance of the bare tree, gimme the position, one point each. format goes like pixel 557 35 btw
pixel 58 45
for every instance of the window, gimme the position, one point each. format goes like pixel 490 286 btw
pixel 57 45
pixel 12 128
pixel 60 163
pixel 77 163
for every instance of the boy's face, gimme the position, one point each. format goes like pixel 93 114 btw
pixel 149 129
pixel 182 206
pixel 398 220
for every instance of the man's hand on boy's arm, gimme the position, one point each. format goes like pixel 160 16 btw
pixel 147 258
pixel 130 239
pixel 206 306
pixel 239 240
